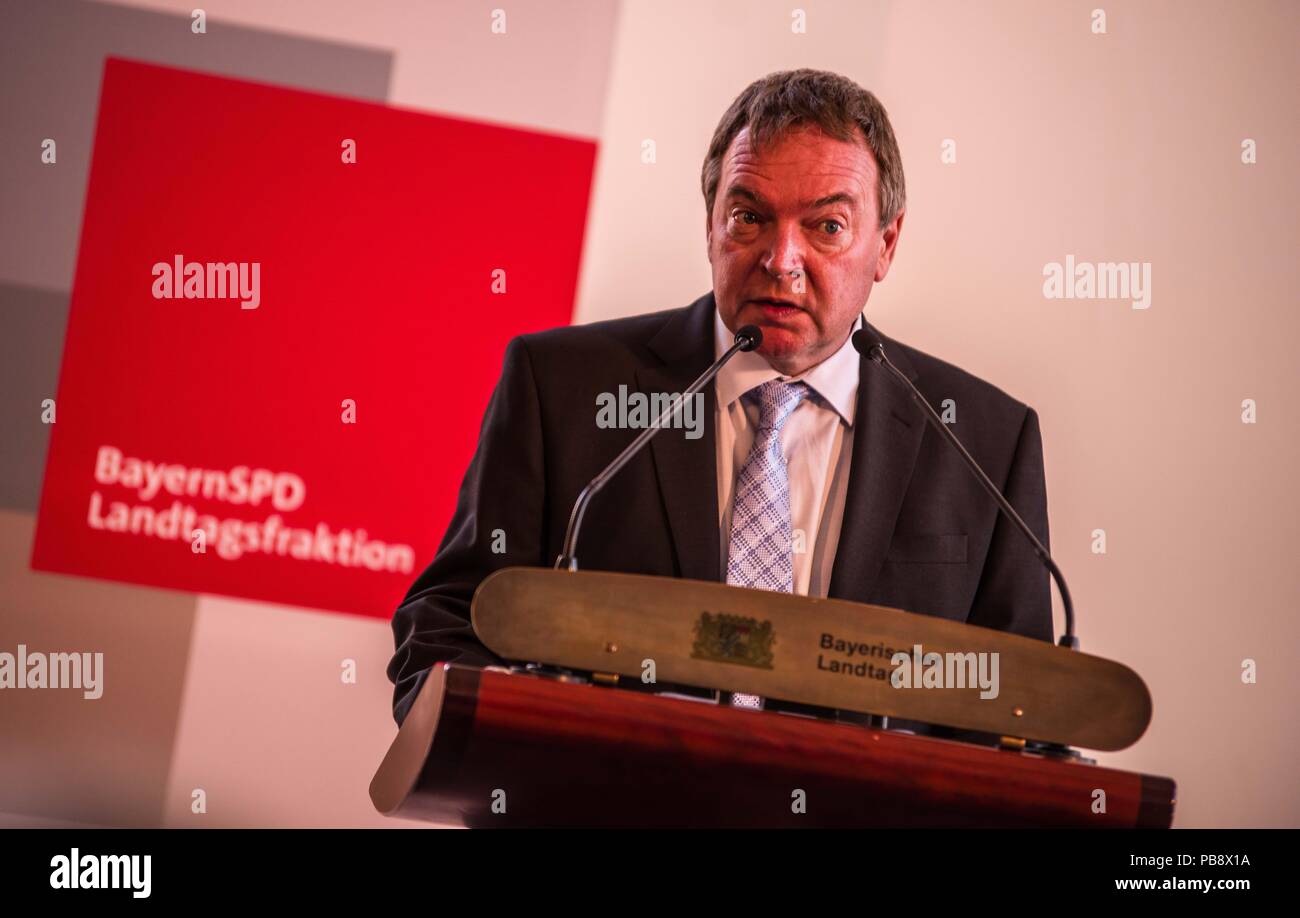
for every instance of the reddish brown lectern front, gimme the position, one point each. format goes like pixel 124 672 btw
pixel 487 748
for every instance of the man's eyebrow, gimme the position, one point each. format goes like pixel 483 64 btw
pixel 749 194
pixel 839 197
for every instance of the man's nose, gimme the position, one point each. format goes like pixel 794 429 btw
pixel 785 254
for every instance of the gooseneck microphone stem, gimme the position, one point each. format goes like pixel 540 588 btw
pixel 748 338
pixel 871 347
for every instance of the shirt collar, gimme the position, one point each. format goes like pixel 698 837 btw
pixel 835 379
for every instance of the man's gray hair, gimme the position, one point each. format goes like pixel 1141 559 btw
pixel 840 107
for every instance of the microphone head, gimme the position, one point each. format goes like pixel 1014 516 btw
pixel 749 337
pixel 868 344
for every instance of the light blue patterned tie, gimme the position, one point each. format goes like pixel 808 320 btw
pixel 760 553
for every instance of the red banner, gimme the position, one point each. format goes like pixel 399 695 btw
pixel 288 314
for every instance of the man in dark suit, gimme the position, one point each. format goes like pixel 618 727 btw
pixel 812 472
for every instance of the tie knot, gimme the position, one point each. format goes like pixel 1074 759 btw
pixel 776 401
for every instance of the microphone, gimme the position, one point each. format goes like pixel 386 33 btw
pixel 870 346
pixel 748 338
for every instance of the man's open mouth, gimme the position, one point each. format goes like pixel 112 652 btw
pixel 775 304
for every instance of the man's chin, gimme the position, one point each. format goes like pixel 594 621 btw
pixel 784 337
pixel 780 343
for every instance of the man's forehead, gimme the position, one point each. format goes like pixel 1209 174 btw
pixel 829 170
pixel 739 189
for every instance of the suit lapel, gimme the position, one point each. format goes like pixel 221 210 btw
pixel 886 439
pixel 887 433
pixel 687 469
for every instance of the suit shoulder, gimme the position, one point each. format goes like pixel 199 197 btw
pixel 938 380
pixel 604 337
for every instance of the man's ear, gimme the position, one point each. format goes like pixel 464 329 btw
pixel 708 235
pixel 889 245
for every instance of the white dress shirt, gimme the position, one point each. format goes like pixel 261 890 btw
pixel 817 441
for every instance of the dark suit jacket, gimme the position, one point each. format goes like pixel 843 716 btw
pixel 918 533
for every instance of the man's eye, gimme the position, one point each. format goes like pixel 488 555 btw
pixel 833 227
pixel 744 215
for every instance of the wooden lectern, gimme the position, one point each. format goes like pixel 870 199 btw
pixel 580 741
pixel 557 753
